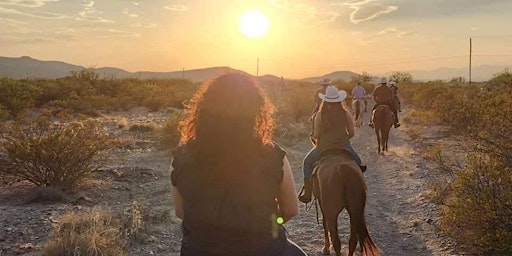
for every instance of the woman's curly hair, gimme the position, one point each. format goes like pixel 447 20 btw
pixel 229 112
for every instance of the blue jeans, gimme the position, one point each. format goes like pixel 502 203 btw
pixel 314 156
pixel 281 247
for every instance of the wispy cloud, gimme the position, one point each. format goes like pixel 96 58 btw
pixel 87 3
pixel 177 7
pixel 110 33
pixel 26 3
pixel 365 10
pixel 386 34
pixel 88 13
pixel 130 14
pixel 47 15
pixel 143 25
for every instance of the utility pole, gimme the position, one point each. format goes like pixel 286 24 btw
pixel 257 66
pixel 470 48
pixel 183 74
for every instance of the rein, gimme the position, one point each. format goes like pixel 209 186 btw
pixel 310 205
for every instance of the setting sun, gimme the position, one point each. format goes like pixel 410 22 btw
pixel 254 24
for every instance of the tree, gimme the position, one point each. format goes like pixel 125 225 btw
pixel 400 77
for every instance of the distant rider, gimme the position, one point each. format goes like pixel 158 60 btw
pixel 383 95
pixel 358 92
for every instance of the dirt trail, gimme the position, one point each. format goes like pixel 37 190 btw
pixel 400 220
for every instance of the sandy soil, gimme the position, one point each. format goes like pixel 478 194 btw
pixel 400 219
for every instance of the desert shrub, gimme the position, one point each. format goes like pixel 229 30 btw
pixel 492 127
pixel 288 133
pixel 169 134
pixel 17 95
pixel 479 210
pixel 92 233
pixel 142 128
pixel 298 102
pixel 52 154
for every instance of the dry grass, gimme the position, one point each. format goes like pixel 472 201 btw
pixel 86 234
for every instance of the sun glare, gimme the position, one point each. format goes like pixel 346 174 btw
pixel 254 24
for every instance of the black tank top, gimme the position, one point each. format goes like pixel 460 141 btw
pixel 229 218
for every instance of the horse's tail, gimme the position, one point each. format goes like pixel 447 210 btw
pixel 368 246
pixel 356 205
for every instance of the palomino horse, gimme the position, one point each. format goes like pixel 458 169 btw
pixel 339 184
pixel 358 108
pixel 382 118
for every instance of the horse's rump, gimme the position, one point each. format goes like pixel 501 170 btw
pixel 339 184
pixel 335 172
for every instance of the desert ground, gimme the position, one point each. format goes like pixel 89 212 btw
pixel 400 219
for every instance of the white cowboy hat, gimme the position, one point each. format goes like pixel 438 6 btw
pixel 383 80
pixel 332 94
pixel 326 81
pixel 392 83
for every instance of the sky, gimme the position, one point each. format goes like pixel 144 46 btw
pixel 305 38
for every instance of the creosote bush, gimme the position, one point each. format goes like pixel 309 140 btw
pixel 478 211
pixel 92 233
pixel 475 200
pixel 49 153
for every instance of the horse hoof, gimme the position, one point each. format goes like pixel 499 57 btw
pixel 326 251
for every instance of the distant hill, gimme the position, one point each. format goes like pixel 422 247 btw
pixel 338 75
pixel 26 67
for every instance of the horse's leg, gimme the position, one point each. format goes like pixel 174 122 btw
pixel 327 242
pixel 377 133
pixel 385 138
pixel 332 224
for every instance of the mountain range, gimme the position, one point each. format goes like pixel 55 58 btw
pixel 27 67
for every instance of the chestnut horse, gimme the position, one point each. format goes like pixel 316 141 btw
pixel 339 184
pixel 358 108
pixel 382 118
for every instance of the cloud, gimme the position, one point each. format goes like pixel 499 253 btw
pixel 366 10
pixel 87 3
pixel 47 15
pixel 132 15
pixel 88 13
pixel 27 3
pixel 177 7
pixel 385 34
pixel 110 33
pixel 143 25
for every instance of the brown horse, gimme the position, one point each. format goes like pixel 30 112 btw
pixel 382 118
pixel 358 109
pixel 339 184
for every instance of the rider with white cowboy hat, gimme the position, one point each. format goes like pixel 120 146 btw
pixel 332 129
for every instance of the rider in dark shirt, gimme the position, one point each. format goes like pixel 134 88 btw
pixel 383 95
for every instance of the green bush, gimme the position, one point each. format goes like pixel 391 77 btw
pixel 479 210
pixel 51 154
